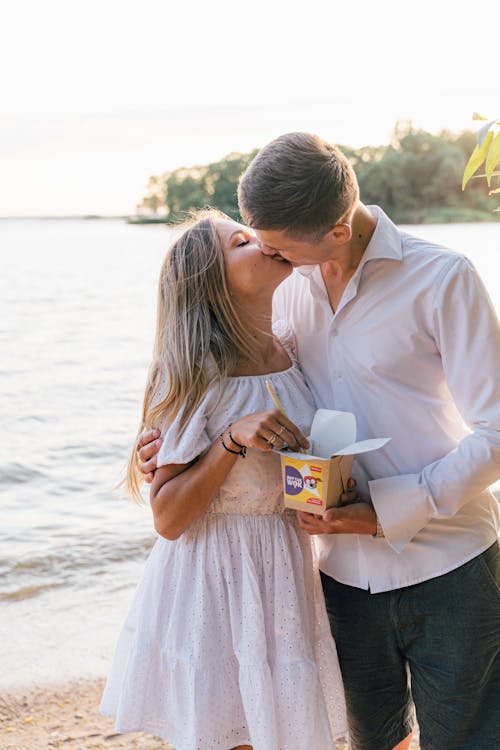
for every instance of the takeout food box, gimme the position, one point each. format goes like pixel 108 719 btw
pixel 314 482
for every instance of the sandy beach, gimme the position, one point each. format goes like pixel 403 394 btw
pixel 66 716
pixel 63 716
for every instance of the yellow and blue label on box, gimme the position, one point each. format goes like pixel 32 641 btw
pixel 311 483
pixel 304 481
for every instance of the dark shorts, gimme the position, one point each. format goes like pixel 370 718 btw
pixel 434 646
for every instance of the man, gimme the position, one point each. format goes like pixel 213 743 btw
pixel 401 333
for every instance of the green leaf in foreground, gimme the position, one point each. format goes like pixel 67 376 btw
pixel 476 159
pixel 493 158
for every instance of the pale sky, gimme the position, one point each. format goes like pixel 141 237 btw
pixel 97 95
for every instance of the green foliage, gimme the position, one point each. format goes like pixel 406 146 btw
pixel 154 200
pixel 213 184
pixel 415 178
pixel 487 152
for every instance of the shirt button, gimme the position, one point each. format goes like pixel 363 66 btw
pixel 334 332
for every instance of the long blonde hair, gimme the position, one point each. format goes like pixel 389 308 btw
pixel 199 335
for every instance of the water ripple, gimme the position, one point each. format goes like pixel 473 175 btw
pixel 74 564
pixel 17 473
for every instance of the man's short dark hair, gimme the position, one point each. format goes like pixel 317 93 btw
pixel 298 183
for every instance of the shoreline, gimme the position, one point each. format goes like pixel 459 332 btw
pixel 65 715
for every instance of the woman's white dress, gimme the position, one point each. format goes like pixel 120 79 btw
pixel 227 641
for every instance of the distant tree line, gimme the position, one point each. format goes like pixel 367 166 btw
pixel 416 178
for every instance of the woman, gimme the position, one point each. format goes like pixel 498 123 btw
pixel 227 644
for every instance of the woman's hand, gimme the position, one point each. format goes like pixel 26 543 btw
pixel 266 430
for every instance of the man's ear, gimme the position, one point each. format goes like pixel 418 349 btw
pixel 341 233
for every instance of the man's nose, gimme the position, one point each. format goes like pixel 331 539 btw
pixel 266 250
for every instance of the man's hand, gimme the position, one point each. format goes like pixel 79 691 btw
pixel 351 518
pixel 147 448
pixel 350 494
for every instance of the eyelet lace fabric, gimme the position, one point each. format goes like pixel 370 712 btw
pixel 227 641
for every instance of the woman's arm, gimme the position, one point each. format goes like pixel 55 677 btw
pixel 181 493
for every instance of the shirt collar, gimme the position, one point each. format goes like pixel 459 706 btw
pixel 385 243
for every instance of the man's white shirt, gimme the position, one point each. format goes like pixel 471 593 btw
pixel 413 350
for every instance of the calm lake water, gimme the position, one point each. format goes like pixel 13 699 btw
pixel 77 308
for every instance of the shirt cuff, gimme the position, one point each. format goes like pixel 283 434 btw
pixel 403 505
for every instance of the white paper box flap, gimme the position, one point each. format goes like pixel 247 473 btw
pixel 363 446
pixel 331 431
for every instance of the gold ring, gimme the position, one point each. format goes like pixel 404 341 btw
pixel 281 430
pixel 272 439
